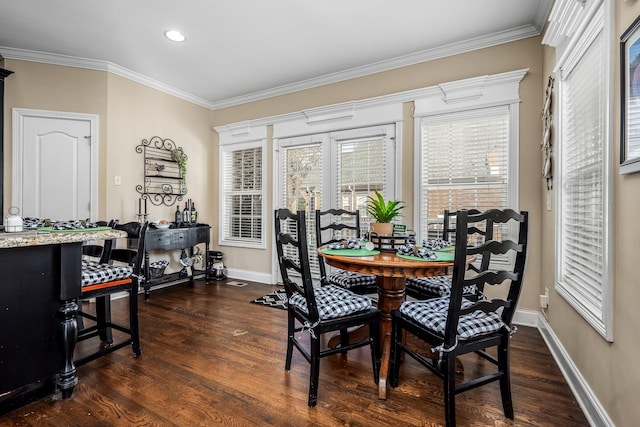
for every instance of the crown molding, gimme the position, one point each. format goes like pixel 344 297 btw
pixel 97 65
pixel 495 39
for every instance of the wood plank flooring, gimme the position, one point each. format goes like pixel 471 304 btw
pixel 210 358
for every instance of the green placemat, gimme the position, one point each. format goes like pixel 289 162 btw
pixel 79 230
pixel 442 256
pixel 349 252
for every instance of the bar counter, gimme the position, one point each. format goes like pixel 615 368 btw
pixel 40 281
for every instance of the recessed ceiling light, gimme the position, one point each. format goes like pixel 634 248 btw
pixel 175 35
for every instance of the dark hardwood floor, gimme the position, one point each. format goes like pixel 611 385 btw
pixel 209 357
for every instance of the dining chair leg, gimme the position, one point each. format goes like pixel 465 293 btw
pixel 133 322
pixel 449 389
pixel 290 337
pixel 375 350
pixel 314 375
pixel 394 371
pixel 344 340
pixel 103 315
pixel 505 380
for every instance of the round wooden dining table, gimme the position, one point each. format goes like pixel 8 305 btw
pixel 391 273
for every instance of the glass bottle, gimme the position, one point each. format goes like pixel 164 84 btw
pixel 186 217
pixel 194 213
pixel 178 218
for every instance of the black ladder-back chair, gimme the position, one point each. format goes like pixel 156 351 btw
pixel 341 225
pixel 455 325
pixel 95 251
pixel 440 286
pixel 115 281
pixel 320 310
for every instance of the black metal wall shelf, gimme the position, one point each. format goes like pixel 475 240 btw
pixel 164 171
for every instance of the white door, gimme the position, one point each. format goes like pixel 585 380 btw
pixel 54 164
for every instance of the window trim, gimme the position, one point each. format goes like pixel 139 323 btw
pixel 594 19
pixel 463 97
pixel 236 139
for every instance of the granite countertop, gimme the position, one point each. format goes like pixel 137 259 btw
pixel 36 238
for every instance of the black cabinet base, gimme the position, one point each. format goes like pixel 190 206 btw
pixel 25 395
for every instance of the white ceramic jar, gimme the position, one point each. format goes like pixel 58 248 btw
pixel 13 222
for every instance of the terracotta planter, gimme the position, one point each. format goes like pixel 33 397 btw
pixel 382 228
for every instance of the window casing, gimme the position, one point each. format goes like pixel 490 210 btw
pixel 335 170
pixel 242 194
pixel 583 267
pixel 465 164
pixel 467 150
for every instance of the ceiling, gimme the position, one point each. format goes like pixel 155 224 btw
pixel 243 50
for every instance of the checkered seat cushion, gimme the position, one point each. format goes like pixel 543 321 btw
pixel 438 286
pixel 432 313
pixel 94 273
pixel 350 279
pixel 332 301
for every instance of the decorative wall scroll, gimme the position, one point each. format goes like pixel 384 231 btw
pixel 545 143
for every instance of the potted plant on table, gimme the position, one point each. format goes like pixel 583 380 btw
pixel 383 211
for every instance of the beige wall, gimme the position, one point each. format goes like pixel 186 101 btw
pixel 128 112
pixel 509 57
pixel 610 369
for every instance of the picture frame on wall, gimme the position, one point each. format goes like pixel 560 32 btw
pixel 630 99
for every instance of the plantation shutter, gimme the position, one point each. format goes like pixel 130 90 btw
pixel 464 164
pixel 242 195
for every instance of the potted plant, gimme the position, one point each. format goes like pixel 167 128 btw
pixel 181 159
pixel 383 212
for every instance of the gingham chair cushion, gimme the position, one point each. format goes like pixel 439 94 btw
pixel 432 313
pixel 432 285
pixel 332 301
pixel 349 279
pixel 94 272
pixel 438 286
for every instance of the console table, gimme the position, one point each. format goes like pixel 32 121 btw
pixel 172 239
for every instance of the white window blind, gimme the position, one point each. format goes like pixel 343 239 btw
pixel 335 170
pixel 302 187
pixel 361 170
pixel 582 268
pixel 464 164
pixel 242 195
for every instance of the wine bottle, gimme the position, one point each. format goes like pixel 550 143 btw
pixel 194 213
pixel 178 218
pixel 185 213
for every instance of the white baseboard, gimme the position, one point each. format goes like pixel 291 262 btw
pixel 593 410
pixel 251 276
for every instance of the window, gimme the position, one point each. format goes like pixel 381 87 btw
pixel 335 170
pixel 583 269
pixel 465 164
pixel 242 195
pixel 467 150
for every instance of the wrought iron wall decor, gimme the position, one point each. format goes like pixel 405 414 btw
pixel 164 171
pixel 545 144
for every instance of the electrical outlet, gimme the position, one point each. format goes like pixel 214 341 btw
pixel 544 299
pixel 117 180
